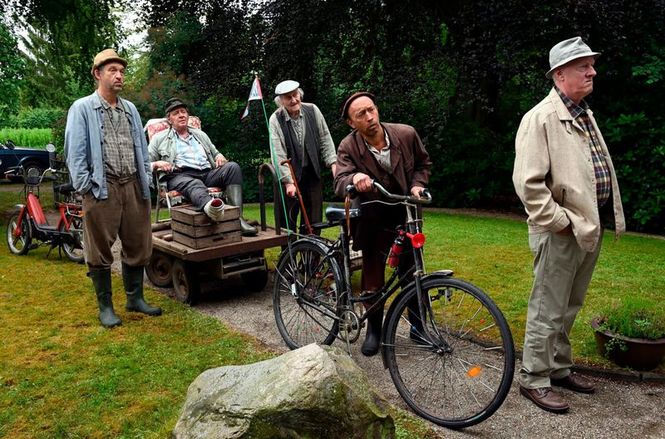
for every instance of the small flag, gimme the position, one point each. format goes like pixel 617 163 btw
pixel 254 95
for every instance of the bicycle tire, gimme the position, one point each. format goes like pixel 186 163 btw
pixel 463 376
pixel 74 249
pixel 21 244
pixel 305 295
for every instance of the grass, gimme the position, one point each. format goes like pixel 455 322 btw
pixel 32 137
pixel 62 375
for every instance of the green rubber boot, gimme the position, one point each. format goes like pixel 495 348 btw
pixel 234 197
pixel 132 277
pixel 101 281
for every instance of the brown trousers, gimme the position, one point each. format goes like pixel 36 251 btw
pixel 124 214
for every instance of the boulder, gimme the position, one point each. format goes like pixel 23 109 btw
pixel 315 391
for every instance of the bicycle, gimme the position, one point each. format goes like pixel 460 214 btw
pixel 29 222
pixel 453 367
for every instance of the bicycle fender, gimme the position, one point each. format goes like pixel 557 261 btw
pixel 410 287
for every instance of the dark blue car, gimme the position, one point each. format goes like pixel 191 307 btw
pixel 27 157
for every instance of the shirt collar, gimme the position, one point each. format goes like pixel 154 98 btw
pixel 373 148
pixel 574 109
pixel 288 115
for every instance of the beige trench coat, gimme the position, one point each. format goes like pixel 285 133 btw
pixel 554 175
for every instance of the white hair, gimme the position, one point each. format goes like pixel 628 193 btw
pixel 278 101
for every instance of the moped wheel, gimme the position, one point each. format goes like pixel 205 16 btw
pixel 305 295
pixel 19 245
pixel 73 247
pixel 458 372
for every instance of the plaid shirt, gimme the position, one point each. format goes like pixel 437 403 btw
pixel 602 171
pixel 117 141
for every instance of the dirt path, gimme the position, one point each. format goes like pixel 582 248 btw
pixel 617 410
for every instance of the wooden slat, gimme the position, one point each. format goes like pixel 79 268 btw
pixel 205 230
pixel 207 241
pixel 187 215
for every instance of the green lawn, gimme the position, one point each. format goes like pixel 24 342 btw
pixel 62 375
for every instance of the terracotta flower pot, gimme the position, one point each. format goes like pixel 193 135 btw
pixel 639 353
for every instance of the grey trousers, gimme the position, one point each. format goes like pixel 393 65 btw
pixel 193 184
pixel 562 272
pixel 125 214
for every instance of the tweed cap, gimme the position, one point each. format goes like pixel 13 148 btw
pixel 567 51
pixel 173 104
pixel 106 56
pixel 286 87
pixel 353 97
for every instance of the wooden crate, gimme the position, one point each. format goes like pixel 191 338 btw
pixel 194 229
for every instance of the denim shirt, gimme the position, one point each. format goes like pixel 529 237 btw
pixel 84 151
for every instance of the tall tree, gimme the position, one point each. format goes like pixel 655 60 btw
pixel 11 71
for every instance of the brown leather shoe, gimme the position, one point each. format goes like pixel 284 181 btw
pixel 574 382
pixel 546 399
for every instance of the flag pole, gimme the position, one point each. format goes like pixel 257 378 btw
pixel 273 157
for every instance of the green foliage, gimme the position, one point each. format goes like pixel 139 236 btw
pixel 32 137
pixel 11 70
pixel 635 317
pixel 42 117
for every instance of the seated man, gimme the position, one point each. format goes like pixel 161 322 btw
pixel 193 164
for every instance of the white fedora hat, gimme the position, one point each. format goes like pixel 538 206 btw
pixel 566 51
pixel 286 87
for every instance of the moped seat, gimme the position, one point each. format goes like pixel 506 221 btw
pixel 65 189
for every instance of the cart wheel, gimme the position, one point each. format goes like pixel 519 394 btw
pixel 255 280
pixel 185 282
pixel 159 269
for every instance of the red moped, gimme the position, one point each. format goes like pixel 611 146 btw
pixel 28 226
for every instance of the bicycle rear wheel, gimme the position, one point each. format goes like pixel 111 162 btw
pixel 460 373
pixel 305 294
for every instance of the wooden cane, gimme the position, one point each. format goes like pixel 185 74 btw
pixel 302 204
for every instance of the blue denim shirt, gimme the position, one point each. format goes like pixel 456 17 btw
pixel 84 151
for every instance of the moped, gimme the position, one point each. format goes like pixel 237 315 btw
pixel 28 227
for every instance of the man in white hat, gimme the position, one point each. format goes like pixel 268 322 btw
pixel 300 133
pixel 107 157
pixel 565 178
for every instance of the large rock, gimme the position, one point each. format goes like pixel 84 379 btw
pixel 315 391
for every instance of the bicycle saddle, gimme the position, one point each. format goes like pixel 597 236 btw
pixel 336 214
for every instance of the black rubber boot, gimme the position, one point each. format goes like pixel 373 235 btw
pixel 373 336
pixel 132 277
pixel 234 197
pixel 101 281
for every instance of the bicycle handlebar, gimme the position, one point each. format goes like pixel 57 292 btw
pixel 426 196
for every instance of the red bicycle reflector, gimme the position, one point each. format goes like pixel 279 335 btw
pixel 417 240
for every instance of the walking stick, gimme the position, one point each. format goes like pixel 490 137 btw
pixel 302 205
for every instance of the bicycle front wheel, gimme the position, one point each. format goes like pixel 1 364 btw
pixel 458 372
pixel 305 294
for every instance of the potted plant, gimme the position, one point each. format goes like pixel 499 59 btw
pixel 632 334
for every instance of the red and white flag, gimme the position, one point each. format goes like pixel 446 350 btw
pixel 254 95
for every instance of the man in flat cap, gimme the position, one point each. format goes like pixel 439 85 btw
pixel 393 155
pixel 300 133
pixel 107 157
pixel 193 163
pixel 565 178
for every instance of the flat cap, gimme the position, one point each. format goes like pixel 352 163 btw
pixel 173 104
pixel 567 51
pixel 106 56
pixel 286 87
pixel 353 97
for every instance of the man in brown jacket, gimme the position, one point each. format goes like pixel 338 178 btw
pixel 565 178
pixel 393 155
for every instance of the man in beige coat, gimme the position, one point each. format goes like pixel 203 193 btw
pixel 566 180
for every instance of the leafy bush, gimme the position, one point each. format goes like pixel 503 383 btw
pixel 41 117
pixel 636 317
pixel 33 137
